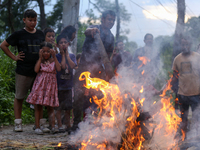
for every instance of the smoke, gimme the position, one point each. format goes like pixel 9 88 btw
pixel 107 132
pixel 193 133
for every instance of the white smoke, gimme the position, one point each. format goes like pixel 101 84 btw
pixel 94 131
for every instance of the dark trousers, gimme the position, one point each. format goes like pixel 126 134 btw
pixel 185 102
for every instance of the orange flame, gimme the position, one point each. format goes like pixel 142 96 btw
pixel 169 120
pixel 111 106
pixel 144 60
pixel 183 135
pixel 141 101
pixel 142 72
pixel 142 89
pixel 59 144
pixel 167 87
pixel 111 93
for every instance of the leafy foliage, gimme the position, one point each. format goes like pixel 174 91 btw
pixel 165 49
pixel 7 85
pixel 192 29
pixel 102 5
pixel 92 19
pixel 54 19
pixel 81 36
pixel 17 10
pixel 7 93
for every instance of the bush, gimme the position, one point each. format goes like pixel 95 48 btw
pixel 7 87
pixel 7 93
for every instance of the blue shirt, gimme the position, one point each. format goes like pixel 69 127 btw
pixel 65 77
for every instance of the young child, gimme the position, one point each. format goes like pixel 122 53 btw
pixel 28 42
pixel 69 32
pixel 44 91
pixel 65 82
pixel 50 37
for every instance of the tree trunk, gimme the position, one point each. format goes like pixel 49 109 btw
pixel 10 16
pixel 43 22
pixel 118 19
pixel 70 17
pixel 179 28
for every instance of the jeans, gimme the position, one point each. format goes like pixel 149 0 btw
pixel 185 102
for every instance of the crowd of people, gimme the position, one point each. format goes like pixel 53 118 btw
pixel 51 73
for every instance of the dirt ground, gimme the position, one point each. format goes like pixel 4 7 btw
pixel 28 139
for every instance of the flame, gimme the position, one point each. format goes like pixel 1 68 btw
pixel 142 89
pixel 142 72
pixel 168 87
pixel 169 120
pixel 141 101
pixel 110 91
pixel 111 105
pixel 183 135
pixel 111 110
pixel 59 144
pixel 144 60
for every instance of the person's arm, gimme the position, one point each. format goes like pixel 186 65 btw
pixel 63 61
pixel 114 53
pixel 4 46
pixel 57 64
pixel 91 32
pixel 37 65
pixel 71 63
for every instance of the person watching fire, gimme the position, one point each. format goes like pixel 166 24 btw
pixel 186 69
pixel 119 55
pixel 146 68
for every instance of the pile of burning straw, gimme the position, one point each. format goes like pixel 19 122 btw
pixel 120 121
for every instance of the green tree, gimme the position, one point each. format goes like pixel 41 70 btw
pixel 192 29
pixel 81 36
pixel 54 18
pixel 11 16
pixel 164 44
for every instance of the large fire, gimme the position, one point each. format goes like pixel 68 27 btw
pixel 121 122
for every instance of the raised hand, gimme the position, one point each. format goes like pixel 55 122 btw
pixel 53 53
pixel 62 52
pixel 114 51
pixel 40 53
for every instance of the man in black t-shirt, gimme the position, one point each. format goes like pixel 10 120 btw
pixel 91 59
pixel 28 42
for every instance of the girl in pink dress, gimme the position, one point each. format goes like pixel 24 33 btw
pixel 44 91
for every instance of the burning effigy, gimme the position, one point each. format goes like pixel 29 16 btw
pixel 120 122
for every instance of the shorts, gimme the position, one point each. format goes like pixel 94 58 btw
pixel 22 85
pixel 65 100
